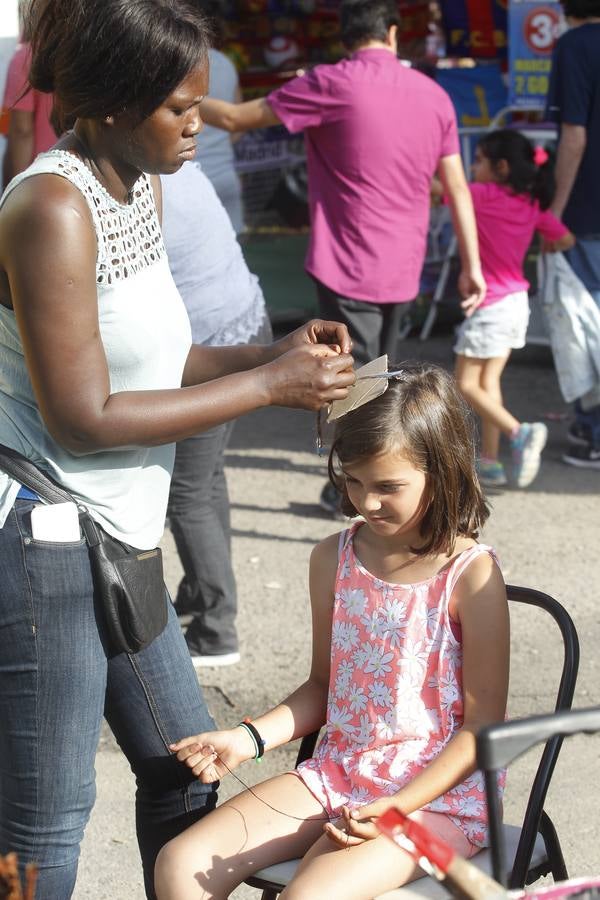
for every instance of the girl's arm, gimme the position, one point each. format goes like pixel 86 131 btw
pixel 212 754
pixel 470 283
pixel 556 237
pixel 48 251
pixel 479 603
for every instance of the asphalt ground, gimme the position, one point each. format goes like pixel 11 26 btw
pixel 547 537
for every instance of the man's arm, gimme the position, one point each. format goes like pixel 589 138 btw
pixel 238 116
pixel 571 147
pixel 456 189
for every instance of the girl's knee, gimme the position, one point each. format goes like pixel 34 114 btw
pixel 175 870
pixel 164 870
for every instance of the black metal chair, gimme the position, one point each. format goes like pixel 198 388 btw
pixel 518 855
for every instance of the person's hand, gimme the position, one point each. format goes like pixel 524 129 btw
pixel 318 331
pixel 358 825
pixel 558 246
pixel 213 754
pixel 472 288
pixel 309 376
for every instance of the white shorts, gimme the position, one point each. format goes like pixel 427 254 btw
pixel 493 331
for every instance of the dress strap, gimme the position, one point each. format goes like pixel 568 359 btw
pixel 344 538
pixel 463 561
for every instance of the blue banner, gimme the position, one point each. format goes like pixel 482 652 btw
pixel 477 93
pixel 475 28
pixel 533 29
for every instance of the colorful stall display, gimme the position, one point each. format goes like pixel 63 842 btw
pixel 265 38
pixel 534 28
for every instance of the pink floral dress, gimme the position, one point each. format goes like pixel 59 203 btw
pixel 395 691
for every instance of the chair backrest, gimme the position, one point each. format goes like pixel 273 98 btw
pixel 493 751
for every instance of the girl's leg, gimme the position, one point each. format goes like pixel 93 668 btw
pixel 153 698
pixel 468 373
pixel 357 873
pixel 240 837
pixel 368 869
pixel 491 374
pixel 52 685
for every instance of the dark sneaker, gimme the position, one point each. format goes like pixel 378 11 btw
pixel 585 457
pixel 526 448
pixel 215 660
pixel 331 501
pixel 579 435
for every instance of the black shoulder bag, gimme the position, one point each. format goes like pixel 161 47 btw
pixel 128 583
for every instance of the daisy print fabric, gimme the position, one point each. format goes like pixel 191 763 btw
pixel 395 692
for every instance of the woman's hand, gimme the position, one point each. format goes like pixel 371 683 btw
pixel 309 376
pixel 358 825
pixel 318 331
pixel 213 754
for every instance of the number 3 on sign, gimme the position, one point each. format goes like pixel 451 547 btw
pixel 540 29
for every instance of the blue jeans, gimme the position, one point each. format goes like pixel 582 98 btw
pixel 584 259
pixel 56 683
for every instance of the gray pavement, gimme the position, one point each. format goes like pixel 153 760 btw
pixel 547 537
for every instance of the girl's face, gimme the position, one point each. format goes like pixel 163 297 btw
pixel 390 493
pixel 482 169
pixel 161 143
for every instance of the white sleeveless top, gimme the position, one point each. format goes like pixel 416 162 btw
pixel 146 335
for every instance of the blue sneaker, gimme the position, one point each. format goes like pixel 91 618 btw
pixel 491 474
pixel 526 450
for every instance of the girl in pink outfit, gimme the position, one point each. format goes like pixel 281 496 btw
pixel 512 190
pixel 409 661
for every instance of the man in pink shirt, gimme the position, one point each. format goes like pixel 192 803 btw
pixel 375 132
pixel 29 130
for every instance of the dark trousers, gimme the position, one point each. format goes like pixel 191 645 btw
pixel 374 327
pixel 200 523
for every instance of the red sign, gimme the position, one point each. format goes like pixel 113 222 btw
pixel 540 29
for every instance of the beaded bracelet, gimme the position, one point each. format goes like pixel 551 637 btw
pixel 259 744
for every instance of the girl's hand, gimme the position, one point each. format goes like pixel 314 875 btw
pixel 318 331
pixel 358 825
pixel 213 754
pixel 472 288
pixel 309 376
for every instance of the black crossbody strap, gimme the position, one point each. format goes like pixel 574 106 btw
pixel 24 471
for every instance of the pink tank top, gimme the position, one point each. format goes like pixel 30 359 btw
pixel 395 691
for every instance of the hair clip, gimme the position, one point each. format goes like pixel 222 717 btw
pixel 540 156
pixel 377 376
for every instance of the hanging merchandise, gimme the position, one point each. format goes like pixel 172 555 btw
pixel 475 28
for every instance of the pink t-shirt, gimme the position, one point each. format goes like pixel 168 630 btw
pixel 375 132
pixel 506 223
pixel 32 101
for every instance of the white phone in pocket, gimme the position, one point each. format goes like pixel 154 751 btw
pixel 57 523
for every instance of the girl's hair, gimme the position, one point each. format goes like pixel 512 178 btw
pixel 101 57
pixel 524 176
pixel 423 417
pixel 214 11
